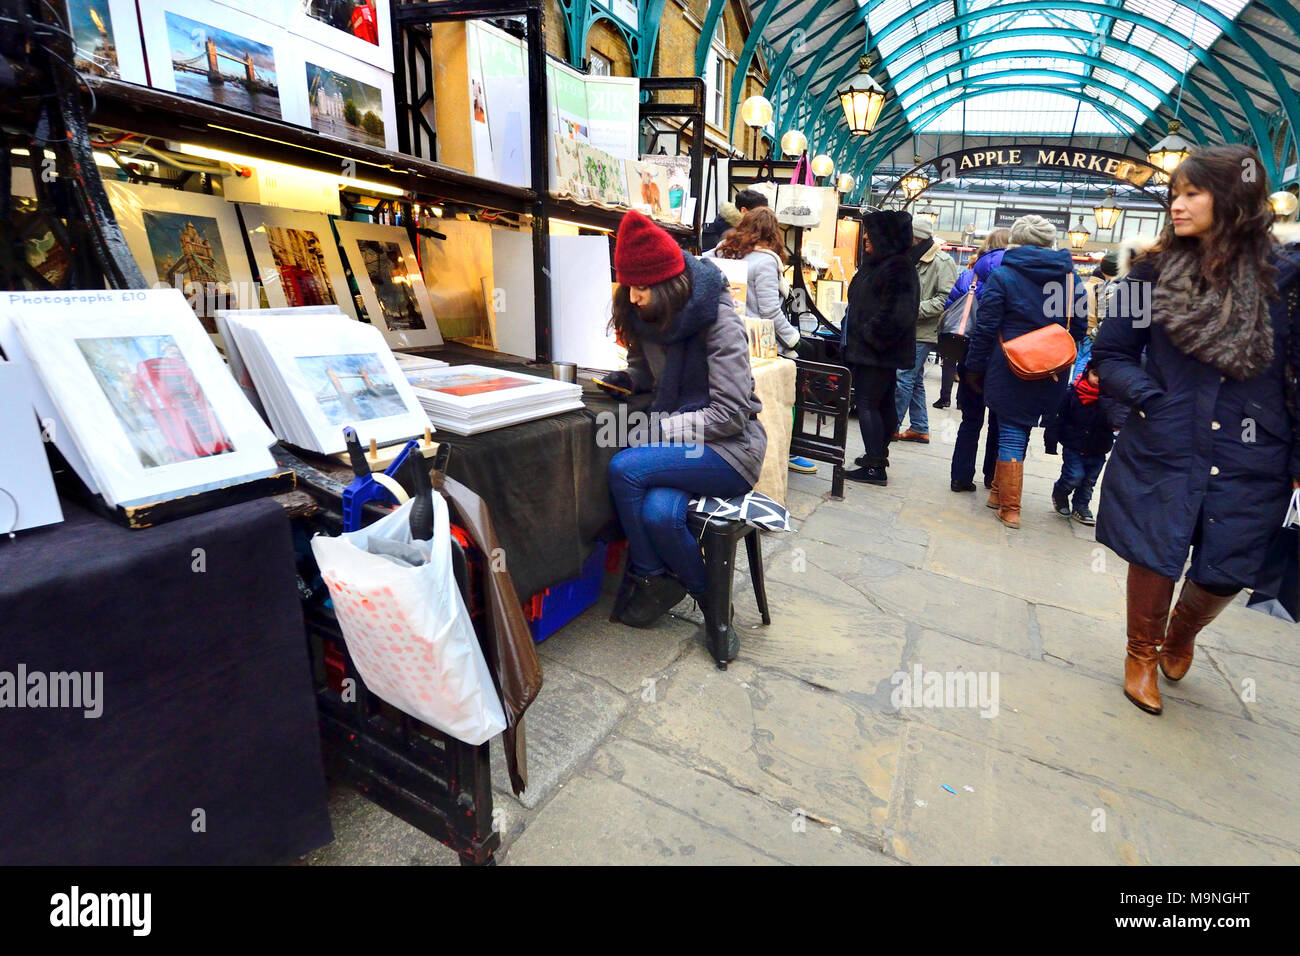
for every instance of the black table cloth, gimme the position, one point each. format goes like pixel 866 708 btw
pixel 545 483
pixel 207 749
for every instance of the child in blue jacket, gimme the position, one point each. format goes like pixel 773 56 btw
pixel 1085 427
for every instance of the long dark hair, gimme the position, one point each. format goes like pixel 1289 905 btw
pixel 757 229
pixel 1234 176
pixel 666 300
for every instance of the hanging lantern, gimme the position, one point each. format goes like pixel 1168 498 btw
pixel 862 100
pixel 846 183
pixel 1108 212
pixel 1079 235
pixel 794 142
pixel 822 165
pixel 914 183
pixel 756 112
pixel 1170 151
pixel 1284 205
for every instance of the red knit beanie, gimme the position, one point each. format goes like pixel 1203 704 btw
pixel 644 254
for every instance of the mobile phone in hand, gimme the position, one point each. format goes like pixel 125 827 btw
pixel 613 388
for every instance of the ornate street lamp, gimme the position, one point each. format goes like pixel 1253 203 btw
pixel 794 143
pixel 914 183
pixel 1284 205
pixel 1170 151
pixel 1107 212
pixel 846 183
pixel 862 99
pixel 1079 235
pixel 756 113
pixel 822 165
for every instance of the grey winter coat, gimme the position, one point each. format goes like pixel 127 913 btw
pixel 937 273
pixel 763 293
pixel 729 423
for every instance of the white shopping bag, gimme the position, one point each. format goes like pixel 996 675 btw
pixel 798 205
pixel 1292 518
pixel 407 629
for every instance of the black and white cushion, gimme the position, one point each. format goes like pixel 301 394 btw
pixel 754 508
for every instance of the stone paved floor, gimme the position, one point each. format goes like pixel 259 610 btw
pixel 641 751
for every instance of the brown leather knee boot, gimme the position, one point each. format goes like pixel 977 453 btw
pixel 1196 608
pixel 993 490
pixel 1010 480
pixel 1149 597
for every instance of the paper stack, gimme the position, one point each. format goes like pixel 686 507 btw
pixel 468 399
pixel 417 363
pixel 316 374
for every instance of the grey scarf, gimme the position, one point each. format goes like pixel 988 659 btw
pixel 1230 329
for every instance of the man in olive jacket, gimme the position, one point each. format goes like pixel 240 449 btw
pixel 937 273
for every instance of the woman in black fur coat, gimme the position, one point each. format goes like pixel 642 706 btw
pixel 879 333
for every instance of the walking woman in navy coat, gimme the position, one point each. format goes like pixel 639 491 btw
pixel 1028 291
pixel 1209 457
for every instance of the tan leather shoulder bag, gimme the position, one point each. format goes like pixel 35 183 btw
pixel 1046 352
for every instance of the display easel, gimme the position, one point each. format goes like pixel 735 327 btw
pixel 747 173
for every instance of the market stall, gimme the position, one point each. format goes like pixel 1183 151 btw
pixel 331 219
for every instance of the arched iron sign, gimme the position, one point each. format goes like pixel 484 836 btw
pixel 1105 164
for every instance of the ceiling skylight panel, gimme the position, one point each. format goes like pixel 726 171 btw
pixel 1161 48
pixel 1153 74
pixel 1180 17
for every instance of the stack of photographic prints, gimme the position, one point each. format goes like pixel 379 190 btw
pixel 468 399
pixel 297 258
pixel 316 374
pixel 187 241
pixel 417 363
pixel 237 367
pixel 139 402
pixel 391 284
pixel 213 52
pixel 106 40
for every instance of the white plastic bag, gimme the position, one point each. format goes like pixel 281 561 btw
pixel 407 629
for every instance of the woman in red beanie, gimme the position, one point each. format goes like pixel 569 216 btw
pixel 686 345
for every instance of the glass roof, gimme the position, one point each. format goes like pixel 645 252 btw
pixel 1043 58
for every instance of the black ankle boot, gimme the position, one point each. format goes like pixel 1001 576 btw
pixel 653 597
pixel 626 588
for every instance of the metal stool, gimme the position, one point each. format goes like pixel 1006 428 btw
pixel 719 537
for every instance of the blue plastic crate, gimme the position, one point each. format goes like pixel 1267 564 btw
pixel 555 607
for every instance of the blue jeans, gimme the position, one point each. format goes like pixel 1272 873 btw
pixel 971 404
pixel 652 486
pixel 909 395
pixel 1013 440
pixel 1078 475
